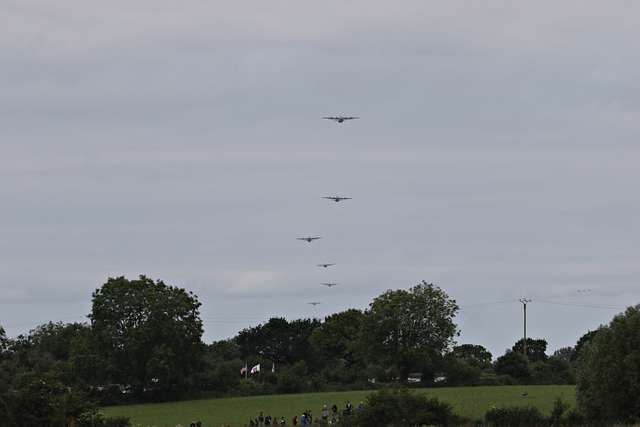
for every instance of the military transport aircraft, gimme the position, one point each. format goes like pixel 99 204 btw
pixel 340 119
pixel 336 198
pixel 325 265
pixel 309 239
pixel 314 303
pixel 329 285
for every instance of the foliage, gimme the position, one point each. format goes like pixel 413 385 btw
pixel 410 330
pixel 608 383
pixel 402 407
pixel 474 355
pixel 536 349
pixel 551 371
pixel 94 418
pixel 4 341
pixel 514 417
pixel 337 338
pixel 148 332
pixel 278 340
pixel 582 343
pixel 566 354
pixel 460 371
pixel 513 364
pixel 558 411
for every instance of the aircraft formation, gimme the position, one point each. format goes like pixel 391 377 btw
pixel 334 198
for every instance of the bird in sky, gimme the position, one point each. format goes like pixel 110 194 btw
pixel 337 198
pixel 309 239
pixel 325 265
pixel 340 119
pixel 314 303
pixel 329 285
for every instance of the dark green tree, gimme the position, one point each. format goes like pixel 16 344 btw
pixel 147 332
pixel 278 340
pixel 474 355
pixel 4 341
pixel 582 342
pixel 536 349
pixel 565 354
pixel 338 337
pixel 608 380
pixel 410 330
pixel 460 372
pixel 513 364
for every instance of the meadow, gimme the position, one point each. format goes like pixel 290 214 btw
pixel 470 402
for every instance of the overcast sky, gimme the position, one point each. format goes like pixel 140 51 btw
pixel 496 155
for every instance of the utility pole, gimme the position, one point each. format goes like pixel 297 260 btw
pixel 524 302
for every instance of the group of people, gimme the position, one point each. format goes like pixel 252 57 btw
pixel 328 416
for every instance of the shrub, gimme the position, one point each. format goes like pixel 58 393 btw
pixel 94 418
pixel 401 407
pixel 559 408
pixel 514 416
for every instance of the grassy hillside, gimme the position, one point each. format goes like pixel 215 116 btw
pixel 467 401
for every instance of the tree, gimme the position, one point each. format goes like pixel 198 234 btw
pixel 278 340
pixel 56 338
pixel 474 355
pixel 536 349
pixel 337 338
pixel 4 341
pixel 608 380
pixel 460 372
pixel 148 332
pixel 565 354
pixel 582 342
pixel 410 330
pixel 513 364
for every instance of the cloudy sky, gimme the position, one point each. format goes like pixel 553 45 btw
pixel 497 156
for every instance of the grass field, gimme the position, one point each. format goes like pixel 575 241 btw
pixel 467 401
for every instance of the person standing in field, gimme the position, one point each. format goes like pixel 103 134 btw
pixel 324 414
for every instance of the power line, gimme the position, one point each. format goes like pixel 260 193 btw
pixel 568 304
pixel 481 304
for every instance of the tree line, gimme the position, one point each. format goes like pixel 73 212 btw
pixel 143 342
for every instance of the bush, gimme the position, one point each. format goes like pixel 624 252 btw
pixel 514 417
pixel 515 365
pixel 559 408
pixel 609 373
pixel 97 419
pixel 402 407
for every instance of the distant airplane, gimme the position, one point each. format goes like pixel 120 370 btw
pixel 314 303
pixel 325 265
pixel 329 285
pixel 340 119
pixel 309 239
pixel 336 198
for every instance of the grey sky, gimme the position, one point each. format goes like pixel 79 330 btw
pixel 497 156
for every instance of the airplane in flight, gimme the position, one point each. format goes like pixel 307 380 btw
pixel 309 239
pixel 325 265
pixel 314 303
pixel 336 198
pixel 329 285
pixel 340 119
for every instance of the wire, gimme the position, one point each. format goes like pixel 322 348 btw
pixel 568 304
pixel 480 304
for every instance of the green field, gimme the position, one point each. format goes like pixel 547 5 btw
pixel 470 402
